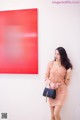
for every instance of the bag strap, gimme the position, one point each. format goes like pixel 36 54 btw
pixel 47 91
pixel 46 96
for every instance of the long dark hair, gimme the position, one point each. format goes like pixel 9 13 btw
pixel 64 58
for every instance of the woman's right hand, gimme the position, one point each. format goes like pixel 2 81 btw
pixel 52 85
pixel 47 81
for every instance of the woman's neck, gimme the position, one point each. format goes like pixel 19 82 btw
pixel 58 63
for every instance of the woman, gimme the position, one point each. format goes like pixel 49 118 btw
pixel 58 77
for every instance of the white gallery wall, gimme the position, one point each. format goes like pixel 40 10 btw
pixel 21 94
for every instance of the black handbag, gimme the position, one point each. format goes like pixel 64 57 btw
pixel 48 92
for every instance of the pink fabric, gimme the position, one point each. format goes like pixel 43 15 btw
pixel 55 75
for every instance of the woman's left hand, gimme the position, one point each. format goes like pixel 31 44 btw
pixel 56 85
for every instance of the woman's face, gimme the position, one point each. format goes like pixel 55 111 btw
pixel 57 55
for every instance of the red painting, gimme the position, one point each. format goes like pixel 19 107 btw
pixel 19 41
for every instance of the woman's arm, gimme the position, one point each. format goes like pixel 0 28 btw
pixel 68 76
pixel 47 74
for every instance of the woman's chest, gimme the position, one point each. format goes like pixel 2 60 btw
pixel 58 70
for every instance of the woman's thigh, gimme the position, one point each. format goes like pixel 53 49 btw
pixel 57 109
pixel 52 109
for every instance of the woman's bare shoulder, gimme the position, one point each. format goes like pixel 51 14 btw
pixel 69 70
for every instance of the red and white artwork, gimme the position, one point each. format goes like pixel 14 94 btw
pixel 19 41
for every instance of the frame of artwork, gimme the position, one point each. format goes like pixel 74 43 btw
pixel 19 41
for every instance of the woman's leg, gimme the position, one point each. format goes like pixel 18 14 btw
pixel 52 112
pixel 57 110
